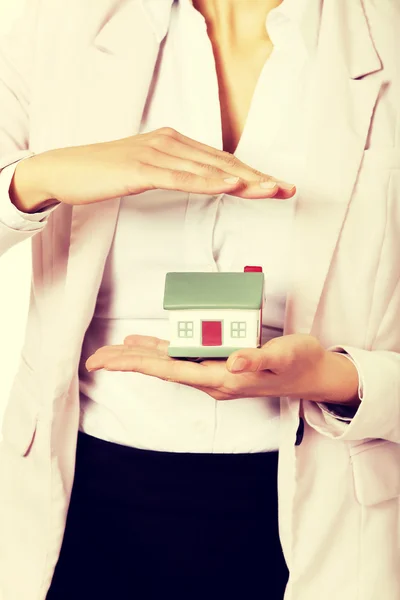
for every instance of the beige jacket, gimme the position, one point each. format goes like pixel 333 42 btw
pixel 79 72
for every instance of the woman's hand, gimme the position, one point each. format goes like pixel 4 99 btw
pixel 163 159
pixel 291 365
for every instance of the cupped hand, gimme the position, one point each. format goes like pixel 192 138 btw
pixel 163 159
pixel 292 365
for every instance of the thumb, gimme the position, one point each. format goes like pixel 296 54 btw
pixel 254 359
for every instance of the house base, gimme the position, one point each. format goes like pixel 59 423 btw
pixel 202 351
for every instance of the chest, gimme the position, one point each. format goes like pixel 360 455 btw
pixel 172 231
pixel 85 90
pixel 238 74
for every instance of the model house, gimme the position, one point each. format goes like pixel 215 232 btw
pixel 213 314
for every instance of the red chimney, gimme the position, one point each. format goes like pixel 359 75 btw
pixel 253 269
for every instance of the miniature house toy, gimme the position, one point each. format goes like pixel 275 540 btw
pixel 213 314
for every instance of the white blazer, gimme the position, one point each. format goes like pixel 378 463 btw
pixel 80 72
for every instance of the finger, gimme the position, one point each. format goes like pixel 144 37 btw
pixel 261 190
pixel 215 393
pixel 180 146
pixel 240 188
pixel 187 373
pixel 97 359
pixel 119 354
pixel 188 148
pixel 185 159
pixel 253 360
pixel 105 350
pixel 167 179
pixel 145 341
pixel 253 187
pixel 256 186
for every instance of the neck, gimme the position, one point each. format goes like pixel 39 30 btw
pixel 234 22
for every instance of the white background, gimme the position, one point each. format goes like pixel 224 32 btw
pixel 14 271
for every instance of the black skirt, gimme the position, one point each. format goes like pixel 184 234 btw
pixel 149 525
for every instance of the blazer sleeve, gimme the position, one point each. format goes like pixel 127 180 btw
pixel 378 415
pixel 14 218
pixel 17 57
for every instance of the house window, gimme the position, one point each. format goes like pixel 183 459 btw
pixel 238 329
pixel 185 329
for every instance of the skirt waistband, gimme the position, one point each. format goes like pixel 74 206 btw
pixel 103 450
pixel 180 480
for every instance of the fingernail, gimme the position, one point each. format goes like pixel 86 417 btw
pixel 268 185
pixel 239 364
pixel 286 186
pixel 231 180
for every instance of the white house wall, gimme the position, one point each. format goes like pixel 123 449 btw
pixel 227 316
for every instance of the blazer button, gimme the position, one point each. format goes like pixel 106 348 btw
pixel 299 432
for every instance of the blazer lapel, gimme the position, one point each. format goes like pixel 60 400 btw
pixel 119 68
pixel 347 87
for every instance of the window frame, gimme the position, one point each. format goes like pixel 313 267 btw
pixel 185 329
pixel 238 329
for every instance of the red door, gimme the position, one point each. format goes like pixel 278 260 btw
pixel 211 333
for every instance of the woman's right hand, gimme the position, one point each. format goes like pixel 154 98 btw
pixel 163 159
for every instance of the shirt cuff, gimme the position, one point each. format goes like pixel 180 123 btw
pixel 343 412
pixel 10 216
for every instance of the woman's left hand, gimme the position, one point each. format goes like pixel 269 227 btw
pixel 291 365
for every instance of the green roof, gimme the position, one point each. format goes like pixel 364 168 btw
pixel 213 290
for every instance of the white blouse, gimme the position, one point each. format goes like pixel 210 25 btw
pixel 161 231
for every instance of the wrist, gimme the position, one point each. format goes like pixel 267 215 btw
pixel 340 380
pixel 28 185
